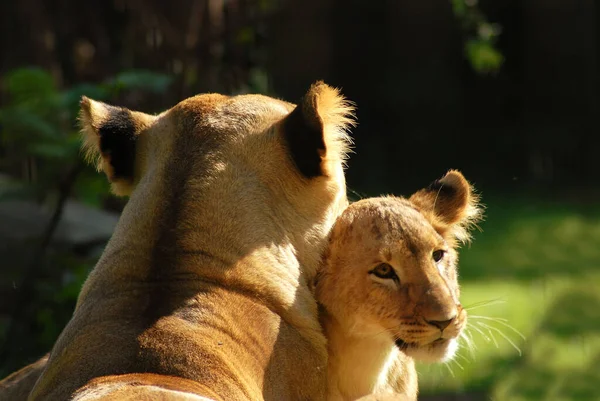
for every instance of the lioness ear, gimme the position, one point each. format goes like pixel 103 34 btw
pixel 109 140
pixel 316 130
pixel 452 201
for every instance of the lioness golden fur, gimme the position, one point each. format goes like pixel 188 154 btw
pixel 388 289
pixel 203 291
pixel 17 386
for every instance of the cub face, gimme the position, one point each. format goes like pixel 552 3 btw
pixel 391 268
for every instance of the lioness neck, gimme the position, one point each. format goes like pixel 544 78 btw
pixel 362 365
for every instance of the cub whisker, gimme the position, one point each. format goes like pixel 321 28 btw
pixel 457 364
pixel 468 337
pixel 464 358
pixel 502 334
pixel 481 304
pixel 491 335
pixel 468 345
pixel 487 338
pixel 447 365
pixel 501 321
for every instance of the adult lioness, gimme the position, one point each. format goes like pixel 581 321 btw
pixel 388 288
pixel 203 290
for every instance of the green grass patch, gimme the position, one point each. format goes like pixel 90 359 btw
pixel 542 261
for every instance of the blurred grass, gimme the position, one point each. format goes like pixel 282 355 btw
pixel 542 259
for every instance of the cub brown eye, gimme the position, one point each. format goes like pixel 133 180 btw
pixel 438 255
pixel 384 270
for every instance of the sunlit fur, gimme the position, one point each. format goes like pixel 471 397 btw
pixel 203 290
pixel 376 327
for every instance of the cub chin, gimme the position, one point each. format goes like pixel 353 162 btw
pixel 388 288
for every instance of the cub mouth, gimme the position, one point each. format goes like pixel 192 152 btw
pixel 403 345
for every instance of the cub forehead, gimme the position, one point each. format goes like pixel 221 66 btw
pixel 387 216
pixel 385 226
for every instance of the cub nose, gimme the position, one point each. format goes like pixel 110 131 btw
pixel 441 324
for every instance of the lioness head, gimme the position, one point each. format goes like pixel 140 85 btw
pixel 391 268
pixel 250 169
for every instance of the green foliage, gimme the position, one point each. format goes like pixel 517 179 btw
pixel 40 154
pixel 480 46
pixel 483 56
pixel 38 125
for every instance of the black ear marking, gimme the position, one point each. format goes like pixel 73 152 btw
pixel 304 136
pixel 117 142
pixel 450 198
pixel 109 135
pixel 442 188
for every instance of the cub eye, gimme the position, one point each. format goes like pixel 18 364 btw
pixel 438 255
pixel 385 271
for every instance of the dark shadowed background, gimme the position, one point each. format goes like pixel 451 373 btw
pixel 506 91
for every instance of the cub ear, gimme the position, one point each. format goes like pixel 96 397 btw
pixel 452 202
pixel 316 130
pixel 109 140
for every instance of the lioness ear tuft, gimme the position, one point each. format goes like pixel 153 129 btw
pixel 452 201
pixel 109 140
pixel 316 130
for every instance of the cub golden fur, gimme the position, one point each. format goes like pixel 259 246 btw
pixel 388 288
pixel 202 293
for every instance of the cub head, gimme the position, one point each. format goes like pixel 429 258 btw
pixel 248 169
pixel 391 268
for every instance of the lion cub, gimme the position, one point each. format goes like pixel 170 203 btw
pixel 388 289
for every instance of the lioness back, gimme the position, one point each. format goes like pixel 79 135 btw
pixel 17 386
pixel 202 291
pixel 388 289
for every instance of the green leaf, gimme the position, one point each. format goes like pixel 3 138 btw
pixel 58 151
pixel 29 84
pixel 483 56
pixel 24 125
pixel 459 7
